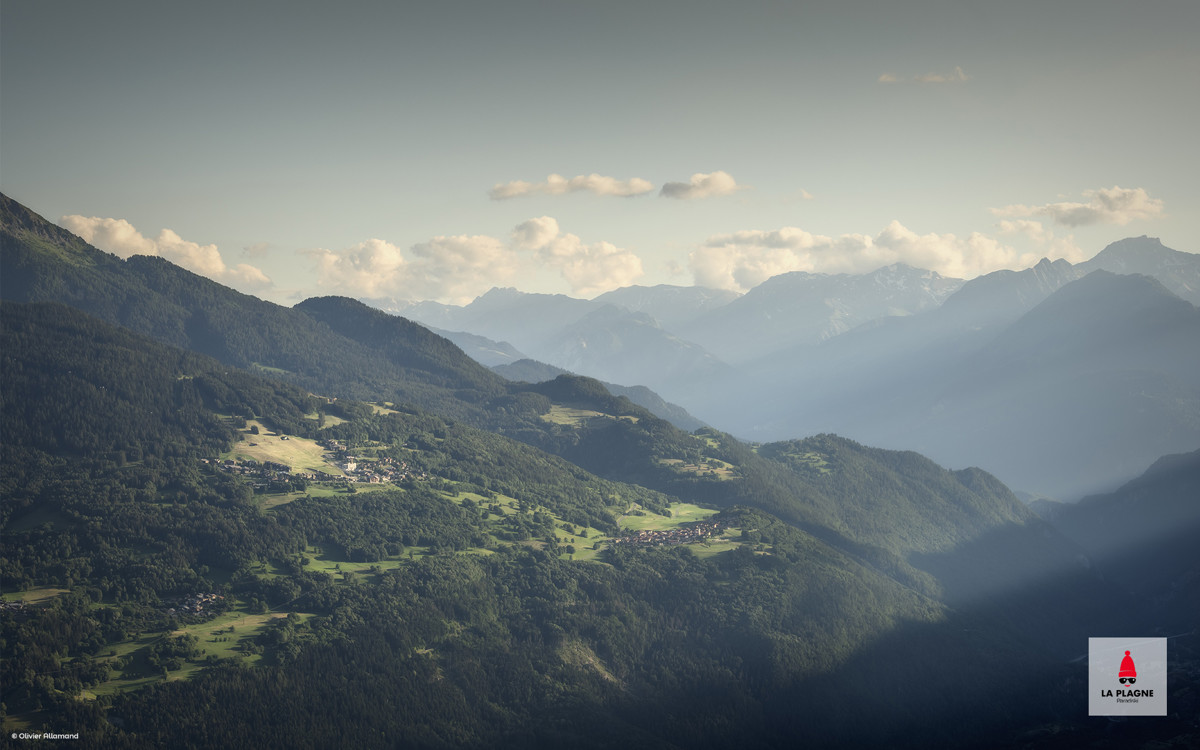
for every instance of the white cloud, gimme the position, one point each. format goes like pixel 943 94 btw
pixel 702 186
pixel 1115 205
pixel 589 269
pixel 535 233
pixel 1048 243
pixel 453 269
pixel 120 237
pixel 742 260
pixel 457 269
pixel 1031 229
pixel 556 184
pixel 955 76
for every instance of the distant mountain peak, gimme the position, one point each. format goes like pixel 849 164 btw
pixel 1135 249
pixel 903 268
pixel 1178 271
pixel 498 293
pixel 1144 242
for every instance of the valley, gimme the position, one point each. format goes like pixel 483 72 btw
pixel 428 552
pixel 1022 373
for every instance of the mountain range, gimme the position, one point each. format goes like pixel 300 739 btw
pixel 900 357
pixel 180 543
pixel 798 308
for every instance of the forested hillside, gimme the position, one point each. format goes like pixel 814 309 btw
pixel 126 517
pixel 217 506
pixel 155 297
pixel 1145 535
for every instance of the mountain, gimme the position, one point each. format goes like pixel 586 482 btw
pixel 76 386
pixel 962 532
pixel 613 344
pixel 1143 536
pixel 483 350
pixel 491 592
pixel 531 371
pixel 1178 272
pixel 524 320
pixel 828 330
pixel 798 308
pixel 400 341
pixel 672 306
pixel 1000 297
pixel 648 335
pixel 1081 392
pixel 933 382
pixel 150 295
pixel 355 601
pixel 1074 396
pixel 337 346
pixel 504 359
pixel 509 309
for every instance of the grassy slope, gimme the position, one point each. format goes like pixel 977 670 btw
pixel 301 454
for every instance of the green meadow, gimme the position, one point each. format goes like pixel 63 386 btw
pixel 301 454
pixel 223 637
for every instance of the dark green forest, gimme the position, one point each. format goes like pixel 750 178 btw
pixel 159 593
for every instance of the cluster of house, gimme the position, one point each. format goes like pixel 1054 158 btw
pixel 196 604
pixel 687 534
pixel 376 471
pixel 268 470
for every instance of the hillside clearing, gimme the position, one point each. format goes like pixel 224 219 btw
pixel 301 454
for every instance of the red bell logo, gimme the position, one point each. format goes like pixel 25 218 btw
pixel 1128 674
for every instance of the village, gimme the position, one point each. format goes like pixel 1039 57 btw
pixel 375 471
pixel 355 470
pixel 699 531
pixel 197 605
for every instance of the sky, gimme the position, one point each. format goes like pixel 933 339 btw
pixel 419 151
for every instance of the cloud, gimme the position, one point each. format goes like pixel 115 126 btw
pixel 1034 230
pixel 556 184
pixel 457 269
pixel 120 237
pixel 1115 205
pixel 257 250
pixel 702 186
pixel 589 269
pixel 956 76
pixel 742 260
pixel 1048 243
pixel 454 269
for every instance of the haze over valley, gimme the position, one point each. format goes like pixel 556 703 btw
pixel 647 375
pixel 1064 379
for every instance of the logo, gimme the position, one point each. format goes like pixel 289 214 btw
pixel 1139 666
pixel 1128 673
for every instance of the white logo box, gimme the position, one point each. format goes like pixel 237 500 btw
pixel 1107 696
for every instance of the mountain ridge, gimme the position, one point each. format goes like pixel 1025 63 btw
pixel 398 617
